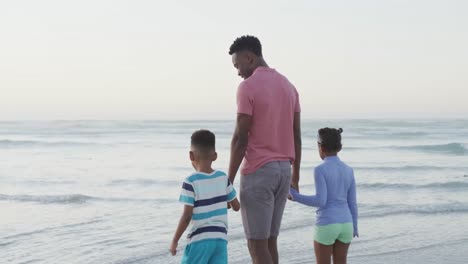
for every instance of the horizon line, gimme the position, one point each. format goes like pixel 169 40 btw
pixel 233 119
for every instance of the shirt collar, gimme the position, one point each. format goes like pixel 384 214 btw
pixel 332 158
pixel 262 68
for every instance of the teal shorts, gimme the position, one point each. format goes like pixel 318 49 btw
pixel 210 251
pixel 328 234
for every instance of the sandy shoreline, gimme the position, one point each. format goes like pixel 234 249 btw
pixel 445 254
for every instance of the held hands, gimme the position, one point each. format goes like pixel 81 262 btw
pixel 295 186
pixel 234 205
pixel 293 190
pixel 173 248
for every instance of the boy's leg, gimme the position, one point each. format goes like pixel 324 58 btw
pixel 323 253
pixel 340 252
pixel 198 253
pixel 220 255
pixel 186 257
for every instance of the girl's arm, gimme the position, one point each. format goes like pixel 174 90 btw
pixel 352 204
pixel 320 197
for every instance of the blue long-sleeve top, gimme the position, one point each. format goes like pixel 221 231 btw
pixel 335 196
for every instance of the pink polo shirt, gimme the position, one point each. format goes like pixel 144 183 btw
pixel 271 100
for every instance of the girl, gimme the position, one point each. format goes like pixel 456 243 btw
pixel 335 198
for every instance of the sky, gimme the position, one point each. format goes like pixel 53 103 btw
pixel 149 59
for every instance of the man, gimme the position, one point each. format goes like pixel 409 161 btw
pixel 268 139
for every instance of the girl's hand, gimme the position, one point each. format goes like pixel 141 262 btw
pixel 292 192
pixel 173 248
pixel 355 233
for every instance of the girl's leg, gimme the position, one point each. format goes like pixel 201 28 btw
pixel 340 252
pixel 323 253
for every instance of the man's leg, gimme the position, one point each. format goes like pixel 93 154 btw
pixel 259 251
pixel 257 199
pixel 273 248
pixel 281 192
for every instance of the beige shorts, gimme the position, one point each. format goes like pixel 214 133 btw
pixel 263 196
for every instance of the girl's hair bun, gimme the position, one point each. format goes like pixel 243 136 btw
pixel 340 130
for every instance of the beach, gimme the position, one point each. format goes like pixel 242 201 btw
pixel 107 191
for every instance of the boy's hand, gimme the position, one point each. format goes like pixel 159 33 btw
pixel 173 248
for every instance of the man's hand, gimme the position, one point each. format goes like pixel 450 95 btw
pixel 295 185
pixel 234 205
pixel 292 192
pixel 173 248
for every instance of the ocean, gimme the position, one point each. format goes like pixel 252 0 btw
pixel 107 191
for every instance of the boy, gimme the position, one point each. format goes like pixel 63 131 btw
pixel 205 194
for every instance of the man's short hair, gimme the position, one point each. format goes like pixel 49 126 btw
pixel 249 43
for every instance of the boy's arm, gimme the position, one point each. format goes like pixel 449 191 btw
pixel 183 223
pixel 235 205
pixel 317 200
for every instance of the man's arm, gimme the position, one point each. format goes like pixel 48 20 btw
pixel 183 223
pixel 298 150
pixel 239 143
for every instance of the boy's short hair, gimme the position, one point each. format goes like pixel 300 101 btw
pixel 330 138
pixel 203 140
pixel 247 42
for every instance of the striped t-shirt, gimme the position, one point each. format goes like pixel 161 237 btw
pixel 208 194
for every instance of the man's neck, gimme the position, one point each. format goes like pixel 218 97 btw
pixel 260 62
